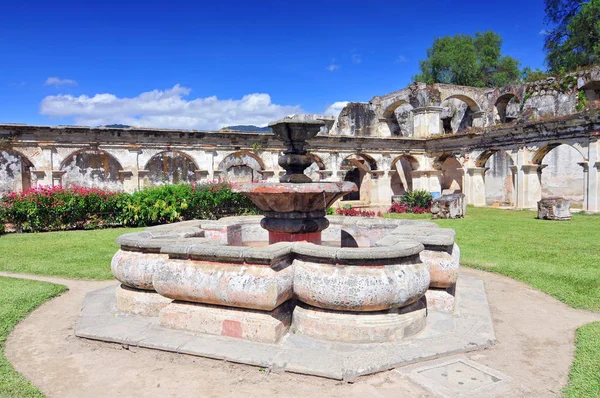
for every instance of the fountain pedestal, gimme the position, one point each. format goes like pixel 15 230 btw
pixel 295 208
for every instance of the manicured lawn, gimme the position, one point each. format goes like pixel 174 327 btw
pixel 561 258
pixel 73 254
pixel 18 297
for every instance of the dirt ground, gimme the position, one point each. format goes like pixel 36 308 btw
pixel 534 331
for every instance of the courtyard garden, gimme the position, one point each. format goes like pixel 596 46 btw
pixel 559 258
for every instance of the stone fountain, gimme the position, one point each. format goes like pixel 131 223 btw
pixel 281 291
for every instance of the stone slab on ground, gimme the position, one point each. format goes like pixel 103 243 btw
pixel 469 328
pixel 459 376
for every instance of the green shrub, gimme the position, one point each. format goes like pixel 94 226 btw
pixel 170 203
pixel 418 198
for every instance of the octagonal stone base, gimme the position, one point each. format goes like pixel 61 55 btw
pixel 360 327
pixel 469 328
pixel 254 325
pixel 139 302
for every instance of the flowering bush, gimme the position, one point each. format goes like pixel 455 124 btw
pixel 417 202
pixel 55 208
pixel 357 213
pixel 58 208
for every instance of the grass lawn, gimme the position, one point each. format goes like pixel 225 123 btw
pixel 18 297
pixel 561 258
pixel 73 254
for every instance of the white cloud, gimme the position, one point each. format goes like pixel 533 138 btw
pixel 335 108
pixel 333 66
pixel 167 109
pixel 544 32
pixel 57 81
pixel 401 59
pixel 356 58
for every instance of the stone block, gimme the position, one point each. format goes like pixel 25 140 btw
pixel 139 302
pixel 254 325
pixel 136 269
pixel 554 208
pixel 360 288
pixel 443 266
pixel 441 300
pixel 359 327
pixel 229 284
pixel 449 206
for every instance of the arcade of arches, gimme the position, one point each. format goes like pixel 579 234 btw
pixel 506 146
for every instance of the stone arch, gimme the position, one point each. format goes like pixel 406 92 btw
pixel 563 173
pixel 402 168
pixel 500 177
pixel 171 167
pixel 242 167
pixel 358 168
pixel 451 179
pixel 592 92
pixel 505 107
pixel 458 113
pixel 399 118
pixel 92 168
pixel 15 171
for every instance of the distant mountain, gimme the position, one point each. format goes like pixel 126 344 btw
pixel 117 126
pixel 247 128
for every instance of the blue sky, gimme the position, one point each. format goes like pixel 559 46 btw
pixel 202 64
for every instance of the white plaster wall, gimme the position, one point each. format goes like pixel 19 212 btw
pixel 563 176
pixel 499 179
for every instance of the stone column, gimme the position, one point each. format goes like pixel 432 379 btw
pixel 478 119
pixel 427 121
pixel 531 185
pixel 428 180
pixel 382 187
pixel 594 188
pixel 586 184
pixel 475 185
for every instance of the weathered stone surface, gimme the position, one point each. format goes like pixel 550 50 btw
pixel 442 266
pixel 261 326
pixel 554 208
pixel 230 284
pixel 135 269
pixel 362 327
pixel 441 300
pixel 449 206
pixel 356 288
pixel 139 302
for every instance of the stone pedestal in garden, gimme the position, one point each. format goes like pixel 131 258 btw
pixel 449 206
pixel 554 208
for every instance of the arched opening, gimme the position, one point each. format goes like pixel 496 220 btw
pixel 458 113
pixel 562 176
pixel 592 93
pixel 506 108
pixel 171 167
pixel 402 179
pixel 242 167
pixel 92 168
pixel 316 165
pixel 451 180
pixel 499 178
pixel 15 172
pixel 358 169
pixel 399 119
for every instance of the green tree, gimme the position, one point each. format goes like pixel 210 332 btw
pixel 470 61
pixel 575 39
